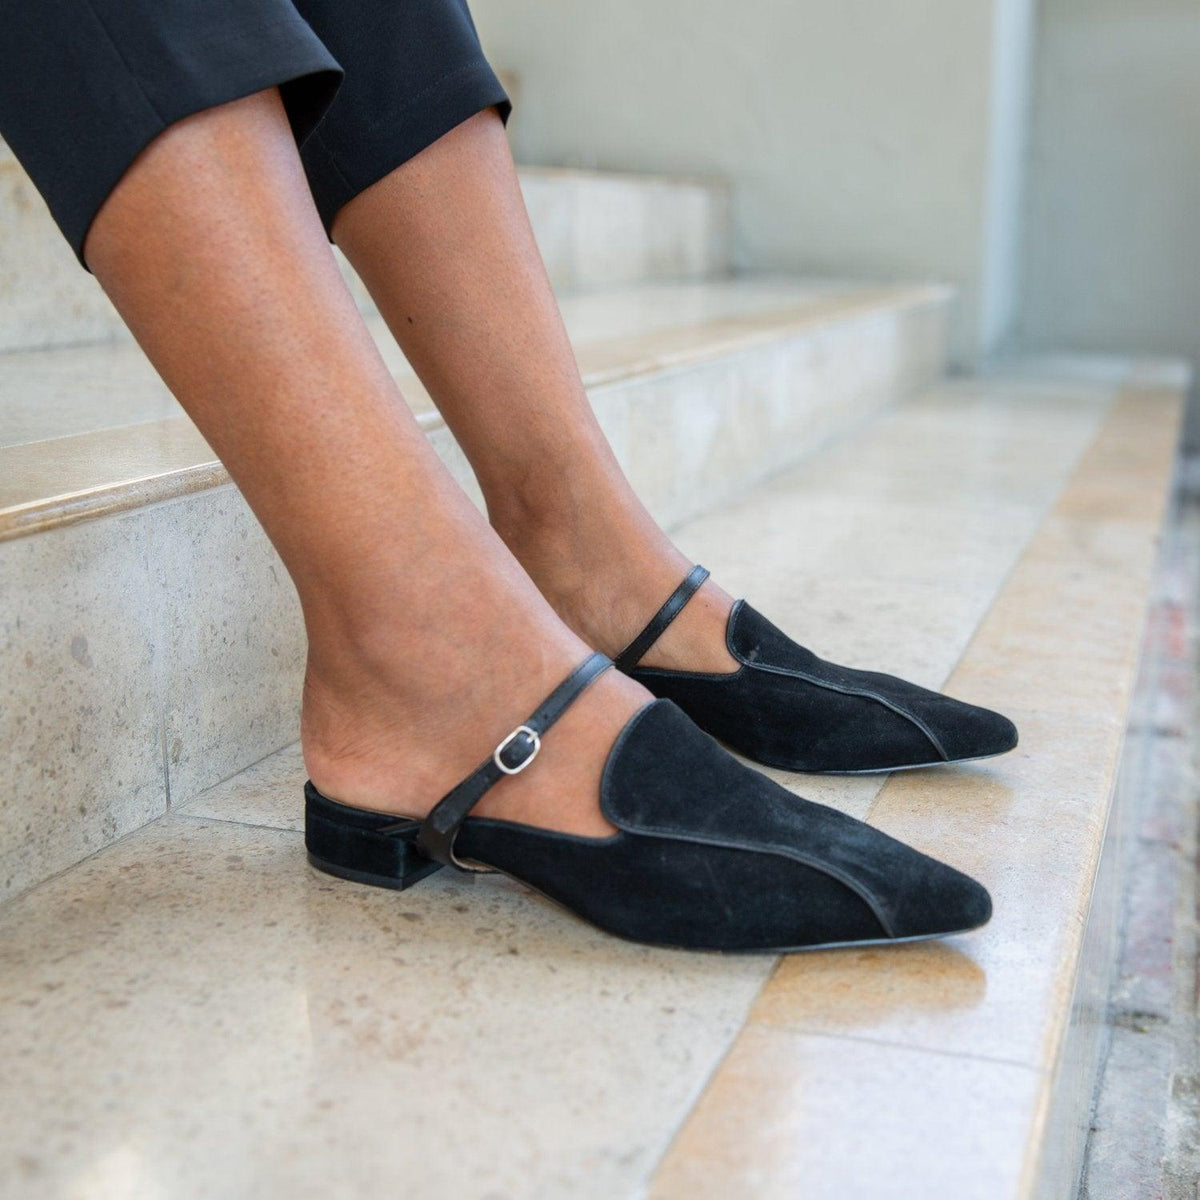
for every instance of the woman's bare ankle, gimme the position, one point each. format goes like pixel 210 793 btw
pixel 605 567
pixel 395 746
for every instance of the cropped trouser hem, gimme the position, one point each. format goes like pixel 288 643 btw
pixel 86 85
pixel 398 135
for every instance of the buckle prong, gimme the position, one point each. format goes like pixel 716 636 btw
pixel 532 734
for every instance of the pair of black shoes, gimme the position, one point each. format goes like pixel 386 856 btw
pixel 709 854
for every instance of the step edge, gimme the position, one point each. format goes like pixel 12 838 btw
pixel 1144 377
pixel 31 517
pixel 669 1172
pixel 716 183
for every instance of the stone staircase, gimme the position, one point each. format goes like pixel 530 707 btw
pixel 595 229
pixel 193 1012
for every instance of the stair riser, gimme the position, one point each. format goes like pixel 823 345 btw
pixel 1080 1057
pixel 691 438
pixel 597 230
pixel 1069 1111
pixel 594 230
pixel 155 653
pixel 990 1041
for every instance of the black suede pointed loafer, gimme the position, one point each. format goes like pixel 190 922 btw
pixel 785 707
pixel 708 854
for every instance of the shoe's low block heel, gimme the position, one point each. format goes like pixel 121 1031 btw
pixel 365 847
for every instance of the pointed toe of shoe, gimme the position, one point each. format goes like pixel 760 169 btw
pixel 967 731
pixel 786 707
pixel 940 729
pixel 939 900
pixel 976 905
pixel 962 904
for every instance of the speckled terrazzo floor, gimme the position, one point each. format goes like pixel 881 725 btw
pixel 193 1012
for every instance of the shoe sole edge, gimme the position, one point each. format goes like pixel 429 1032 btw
pixel 384 881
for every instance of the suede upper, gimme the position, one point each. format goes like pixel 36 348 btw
pixel 786 707
pixel 708 855
pixel 662 762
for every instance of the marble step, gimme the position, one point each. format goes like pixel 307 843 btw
pixel 967 1068
pixel 193 1011
pixel 150 641
pixel 595 229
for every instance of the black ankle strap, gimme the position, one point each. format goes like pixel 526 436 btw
pixel 632 654
pixel 511 757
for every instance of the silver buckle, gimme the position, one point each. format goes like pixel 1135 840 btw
pixel 537 745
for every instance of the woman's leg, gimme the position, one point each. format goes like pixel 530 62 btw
pixel 427 642
pixel 444 245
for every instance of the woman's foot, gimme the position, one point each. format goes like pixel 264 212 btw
pixel 392 730
pixel 427 643
pixel 702 853
pixel 609 572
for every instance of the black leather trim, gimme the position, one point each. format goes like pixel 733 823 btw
pixel 632 654
pixel 440 828
pixel 860 889
pixel 791 672
pixel 865 693
pixel 817 681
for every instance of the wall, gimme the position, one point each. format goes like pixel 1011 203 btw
pixel 1112 253
pixel 1014 34
pixel 871 138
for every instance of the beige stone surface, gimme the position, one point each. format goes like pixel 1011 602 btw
pixel 269 793
pixel 81 699
pixel 197 1013
pixel 792 1115
pixel 685 428
pixel 1028 825
pixel 1057 650
pixel 45 298
pixel 599 229
pixel 649 226
pixel 75 389
pixel 712 371
pixel 53 484
pixel 194 1011
pixel 231 640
